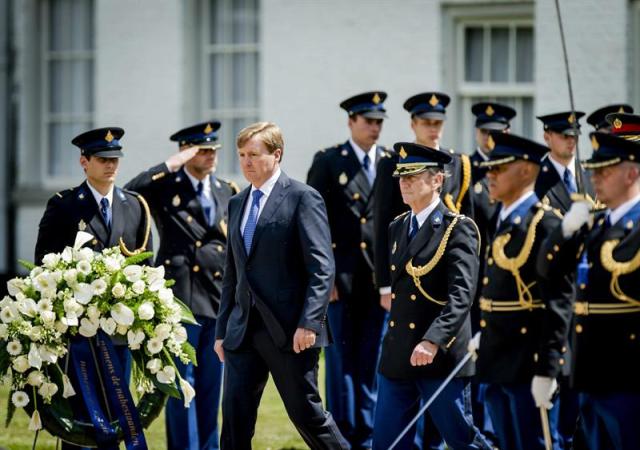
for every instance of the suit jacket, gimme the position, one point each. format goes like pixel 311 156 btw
pixel 191 250
pixel 551 189
pixel 288 273
pixel 336 173
pixel 510 344
pixel 75 209
pixel 452 281
pixel 477 173
pixel 605 346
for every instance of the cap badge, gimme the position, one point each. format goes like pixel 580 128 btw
pixel 403 153
pixel 176 201
pixel 208 129
pixel 491 143
pixel 621 110
pixel 376 98
pixel 571 118
pixel 617 123
pixel 433 101
pixel 109 136
pixel 489 111
pixel 595 144
pixel 343 179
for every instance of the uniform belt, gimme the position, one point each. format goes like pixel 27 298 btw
pixel 489 305
pixel 588 308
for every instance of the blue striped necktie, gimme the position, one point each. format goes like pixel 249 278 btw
pixel 569 182
pixel 208 205
pixel 252 220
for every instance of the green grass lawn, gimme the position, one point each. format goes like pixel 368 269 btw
pixel 273 430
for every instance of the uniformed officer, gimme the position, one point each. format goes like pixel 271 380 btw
pixel 344 175
pixel 434 265
pixel 512 305
pixel 189 205
pixel 558 178
pixel 114 216
pixel 597 119
pixel 490 116
pixel 606 251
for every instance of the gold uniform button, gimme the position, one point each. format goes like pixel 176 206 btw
pixel 632 337
pixel 490 261
pixel 217 275
pixel 523 330
pixel 556 248
pixel 578 328
pixel 564 349
pixel 583 286
pixel 198 244
pixel 196 268
pixel 412 325
pixel 483 323
pixel 333 245
pixel 393 267
pixel 363 245
pixel 413 297
pixel 363 220
pixel 535 357
pixel 485 280
pixel 392 324
pixel 356 196
pixel 189 219
pixel 561 361
pixel 167 262
pixel 220 248
pixel 94 242
pixel 549 256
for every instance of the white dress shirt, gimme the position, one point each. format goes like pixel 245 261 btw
pixel 372 158
pixel 98 196
pixel 206 184
pixel 266 189
pixel 561 169
pixel 616 214
pixel 504 212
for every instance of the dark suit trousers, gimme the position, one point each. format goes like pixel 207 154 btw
pixel 246 371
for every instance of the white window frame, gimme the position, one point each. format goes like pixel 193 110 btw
pixel 225 114
pixel 456 18
pixel 46 117
pixel 634 52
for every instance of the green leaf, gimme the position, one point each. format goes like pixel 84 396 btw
pixel 27 264
pixel 11 409
pixel 186 314
pixel 5 361
pixel 137 259
pixel 169 283
pixel 191 352
pixel 169 389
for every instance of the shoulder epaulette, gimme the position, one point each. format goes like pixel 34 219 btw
pixel 63 193
pixel 401 215
pixel 548 208
pixel 232 184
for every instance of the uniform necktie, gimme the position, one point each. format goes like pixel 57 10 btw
pixel 414 227
pixel 106 212
pixel 250 226
pixel 569 182
pixel 366 165
pixel 206 203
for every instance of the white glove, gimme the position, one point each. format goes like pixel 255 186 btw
pixel 542 389
pixel 177 160
pixel 578 215
pixel 474 343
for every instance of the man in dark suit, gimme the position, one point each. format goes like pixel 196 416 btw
pixel 558 178
pixel 604 251
pixel 189 205
pixel 514 307
pixel 275 291
pixel 434 265
pixel 345 177
pixel 114 216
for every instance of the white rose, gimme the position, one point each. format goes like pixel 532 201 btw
pixel 35 333
pixel 51 260
pixel 21 364
pixel 8 314
pixel 34 357
pixel 14 348
pixel 14 286
pixel 179 334
pixel 146 311
pixel 35 378
pixel 48 318
pixel 118 290
pixel 154 365
pixel 70 305
pixel 84 254
pixel 3 331
pixel 134 339
pixel 70 276
pixel 67 254
pixel 108 325
pixel 48 355
pixel 162 331
pixel 187 392
pixel 138 287
pixel 111 264
pixel 122 314
pixel 84 267
pixel 132 273
pixel 48 390
pixel 35 272
pixel 165 295
pixel 28 307
pixel 93 313
pixel 20 399
pixel 88 328
pixel 61 327
pixel 99 286
pixel 167 375
pixel 154 345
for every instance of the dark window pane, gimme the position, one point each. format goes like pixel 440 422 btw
pixel 473 53
pixel 499 54
pixel 524 55
pixel 526 117
pixel 71 25
pixel 217 79
pixel 71 86
pixel 63 159
pixel 245 21
pixel 245 80
pixel 219 22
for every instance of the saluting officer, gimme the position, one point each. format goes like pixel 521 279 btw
pixel 558 178
pixel 598 118
pixel 434 265
pixel 189 205
pixel 344 175
pixel 606 251
pixel 114 216
pixel 514 309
